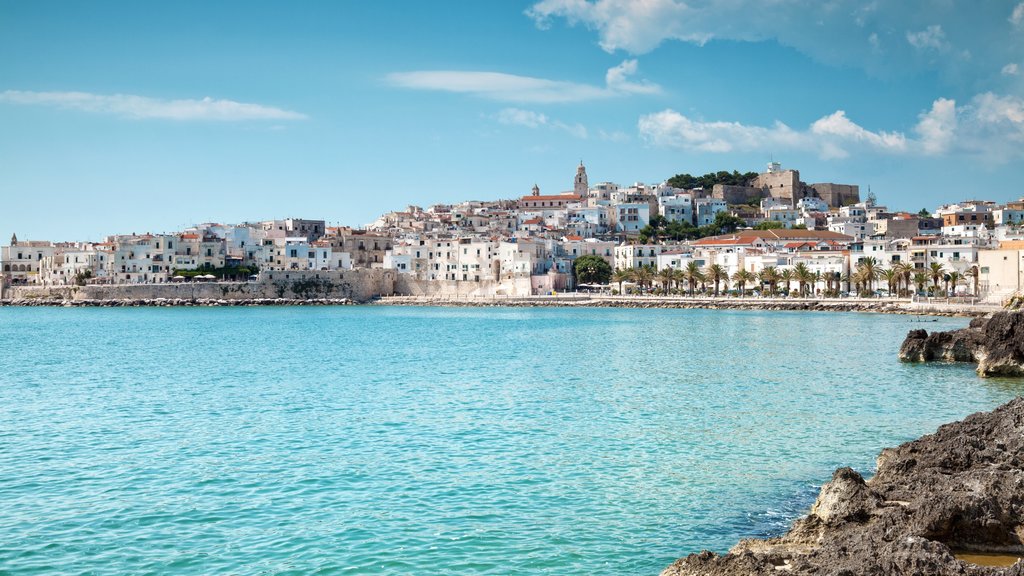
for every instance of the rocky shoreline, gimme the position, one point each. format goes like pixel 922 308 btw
pixel 941 505
pixel 882 307
pixel 995 343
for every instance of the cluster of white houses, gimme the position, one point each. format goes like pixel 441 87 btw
pixel 824 226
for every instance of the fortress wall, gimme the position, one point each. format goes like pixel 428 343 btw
pixel 359 285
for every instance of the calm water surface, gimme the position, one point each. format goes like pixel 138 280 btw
pixel 437 441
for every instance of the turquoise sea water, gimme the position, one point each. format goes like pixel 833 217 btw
pixel 364 440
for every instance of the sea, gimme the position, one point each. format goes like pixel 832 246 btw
pixel 405 440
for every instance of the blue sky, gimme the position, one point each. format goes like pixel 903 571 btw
pixel 119 117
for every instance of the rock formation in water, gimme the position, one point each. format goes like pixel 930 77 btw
pixel 995 342
pixel 960 489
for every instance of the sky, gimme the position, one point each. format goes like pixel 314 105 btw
pixel 121 117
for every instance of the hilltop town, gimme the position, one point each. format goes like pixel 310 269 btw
pixel 747 232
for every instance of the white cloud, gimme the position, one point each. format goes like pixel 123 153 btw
pixel 617 79
pixel 931 38
pixel 838 125
pixel 520 117
pixel 936 128
pixel 991 109
pixel 613 136
pixel 631 25
pixel 141 107
pixel 670 128
pixel 513 88
pixel 1011 69
pixel 531 119
pixel 990 127
pixel 1017 16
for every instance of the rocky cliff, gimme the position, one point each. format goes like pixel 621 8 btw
pixel 995 343
pixel 933 500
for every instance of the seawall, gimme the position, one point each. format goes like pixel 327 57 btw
pixel 359 285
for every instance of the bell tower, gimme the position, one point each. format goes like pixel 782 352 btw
pixel 580 186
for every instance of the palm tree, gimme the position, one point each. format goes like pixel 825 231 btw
pixel 868 271
pixel 693 275
pixel 679 275
pixel 643 276
pixel 936 271
pixel 892 278
pixel 920 279
pixel 953 279
pixel 741 278
pixel 974 274
pixel 803 275
pixel 769 275
pixel 716 273
pixel 815 280
pixel 906 270
pixel 786 276
pixel 665 277
pixel 621 275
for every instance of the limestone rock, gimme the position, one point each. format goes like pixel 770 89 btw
pixel 960 489
pixel 995 343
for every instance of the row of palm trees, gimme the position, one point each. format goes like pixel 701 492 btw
pixel 863 278
pixel 902 275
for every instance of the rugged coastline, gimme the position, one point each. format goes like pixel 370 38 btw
pixel 995 343
pixel 947 503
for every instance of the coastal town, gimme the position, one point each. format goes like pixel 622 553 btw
pixel 766 233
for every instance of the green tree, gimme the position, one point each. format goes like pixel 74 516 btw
pixel 905 270
pixel 665 277
pixel 592 269
pixel 621 275
pixel 769 225
pixel 920 279
pixel 953 279
pixel 693 275
pixel 892 279
pixel 924 213
pixel 769 276
pixel 743 277
pixel 716 273
pixel 936 271
pixel 868 272
pixel 803 275
pixel 643 276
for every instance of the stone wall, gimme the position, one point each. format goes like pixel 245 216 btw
pixel 359 285
pixel 736 194
pixel 409 285
pixel 837 195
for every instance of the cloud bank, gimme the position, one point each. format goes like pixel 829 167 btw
pixel 989 125
pixel 142 107
pixel 883 37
